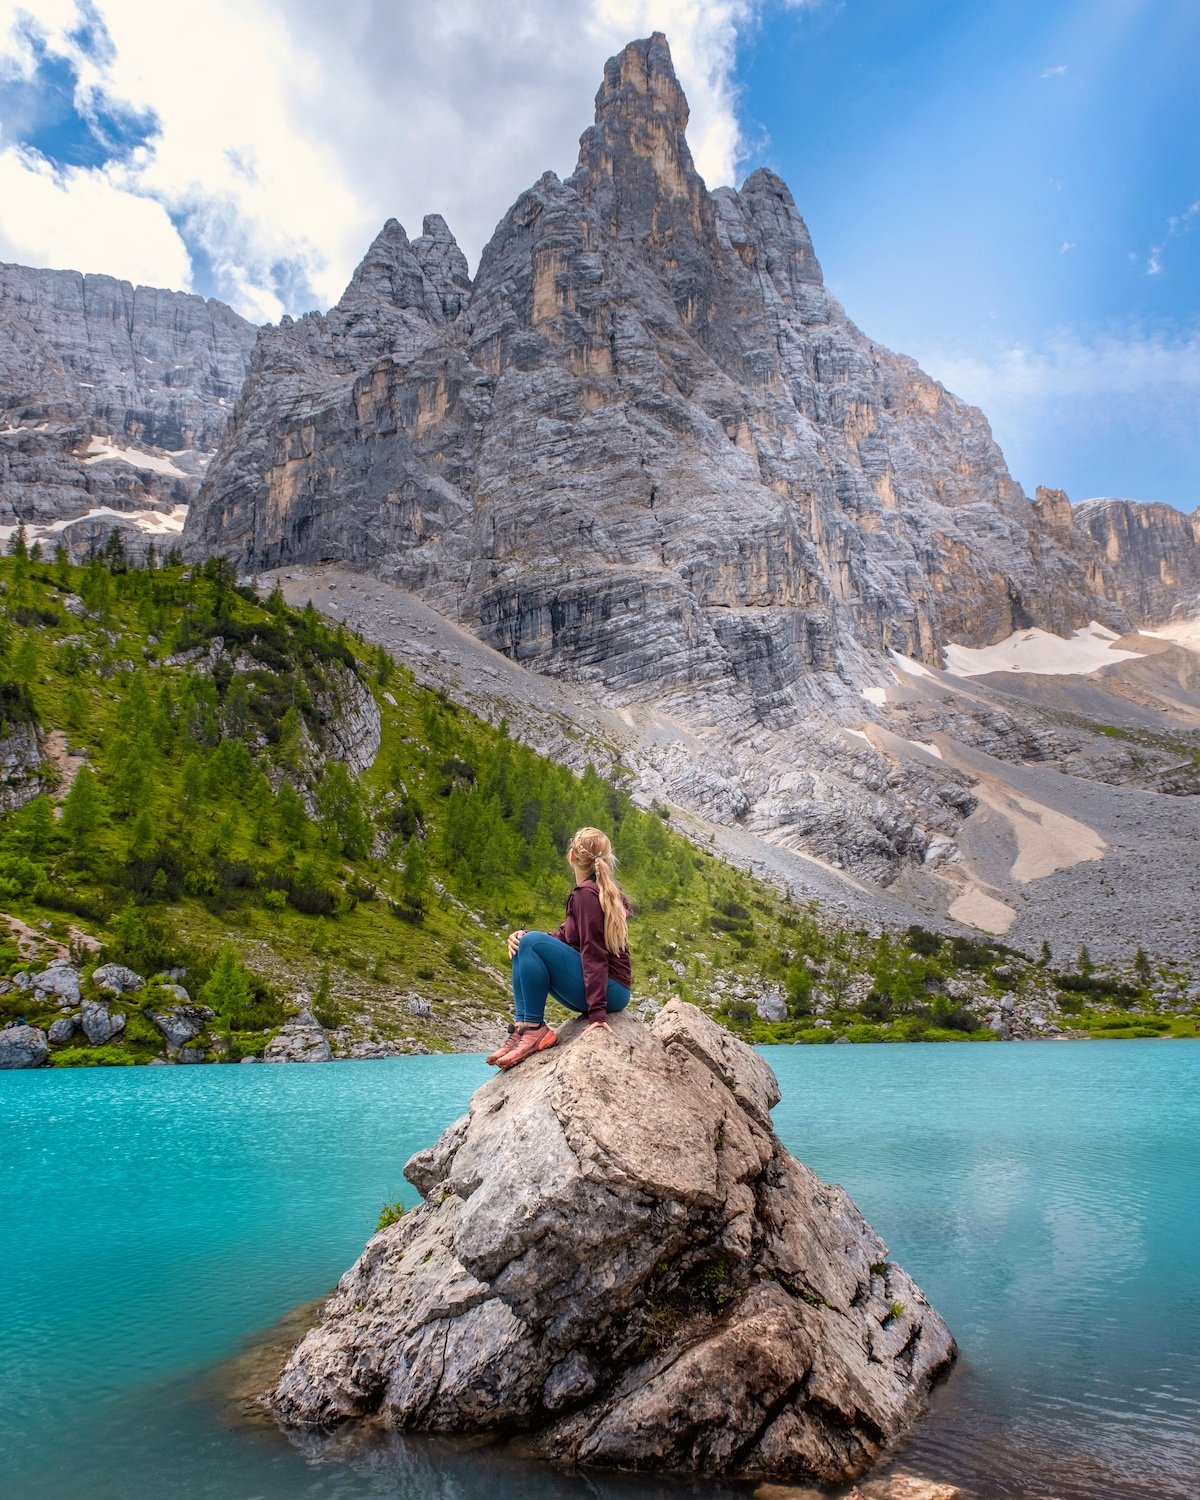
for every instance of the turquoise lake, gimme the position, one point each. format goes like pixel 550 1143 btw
pixel 1045 1195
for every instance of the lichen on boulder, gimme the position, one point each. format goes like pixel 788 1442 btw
pixel 617 1257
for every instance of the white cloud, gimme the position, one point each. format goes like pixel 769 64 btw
pixel 1066 247
pixel 84 220
pixel 1177 224
pixel 1057 71
pixel 1109 414
pixel 1134 364
pixel 289 129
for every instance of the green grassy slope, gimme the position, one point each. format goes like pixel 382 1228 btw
pixel 211 829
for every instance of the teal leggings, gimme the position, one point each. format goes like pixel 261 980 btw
pixel 545 965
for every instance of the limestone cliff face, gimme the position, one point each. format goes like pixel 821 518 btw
pixel 1150 557
pixel 110 395
pixel 646 444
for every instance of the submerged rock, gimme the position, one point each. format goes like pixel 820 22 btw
pixel 617 1256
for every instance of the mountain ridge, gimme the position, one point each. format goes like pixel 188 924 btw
pixel 646 451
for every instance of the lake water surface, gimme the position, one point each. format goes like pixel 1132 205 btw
pixel 1045 1195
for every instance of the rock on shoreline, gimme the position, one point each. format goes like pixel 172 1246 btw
pixel 616 1256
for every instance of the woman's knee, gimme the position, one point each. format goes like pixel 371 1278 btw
pixel 528 941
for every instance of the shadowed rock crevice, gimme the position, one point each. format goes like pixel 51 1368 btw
pixel 638 1276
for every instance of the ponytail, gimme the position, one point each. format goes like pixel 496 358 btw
pixel 594 856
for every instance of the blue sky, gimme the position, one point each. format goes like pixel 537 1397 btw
pixel 1000 176
pixel 1008 191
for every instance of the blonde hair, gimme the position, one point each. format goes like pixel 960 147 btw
pixel 594 856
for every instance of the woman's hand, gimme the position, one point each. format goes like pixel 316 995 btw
pixel 596 1026
pixel 513 939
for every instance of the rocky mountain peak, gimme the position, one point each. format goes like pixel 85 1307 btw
pixel 635 166
pixel 390 273
pixel 768 202
pixel 654 453
pixel 640 81
pixel 444 264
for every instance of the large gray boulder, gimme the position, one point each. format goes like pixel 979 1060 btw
pixel 179 1024
pixel 116 978
pixel 23 1047
pixel 60 982
pixel 100 1024
pixel 62 1030
pixel 616 1255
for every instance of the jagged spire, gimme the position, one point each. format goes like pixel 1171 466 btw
pixel 791 260
pixel 634 162
pixel 444 264
pixel 427 275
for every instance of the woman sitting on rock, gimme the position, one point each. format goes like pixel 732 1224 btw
pixel 584 964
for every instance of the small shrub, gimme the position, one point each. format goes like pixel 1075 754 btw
pixel 92 1057
pixel 391 1213
pixel 921 940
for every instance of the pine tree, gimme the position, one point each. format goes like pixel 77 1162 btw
pixel 1084 962
pixel 340 806
pixel 1141 966
pixel 323 1006
pixel 291 752
pixel 83 807
pixel 25 659
pixel 290 814
pixel 32 829
pixel 228 989
pixel 237 707
pixel 114 554
pixel 415 881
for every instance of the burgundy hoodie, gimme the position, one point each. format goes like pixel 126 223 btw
pixel 584 929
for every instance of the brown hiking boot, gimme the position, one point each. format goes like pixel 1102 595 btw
pixel 532 1039
pixel 506 1046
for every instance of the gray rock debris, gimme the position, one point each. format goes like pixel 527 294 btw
pixel 302 1039
pixel 616 1255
